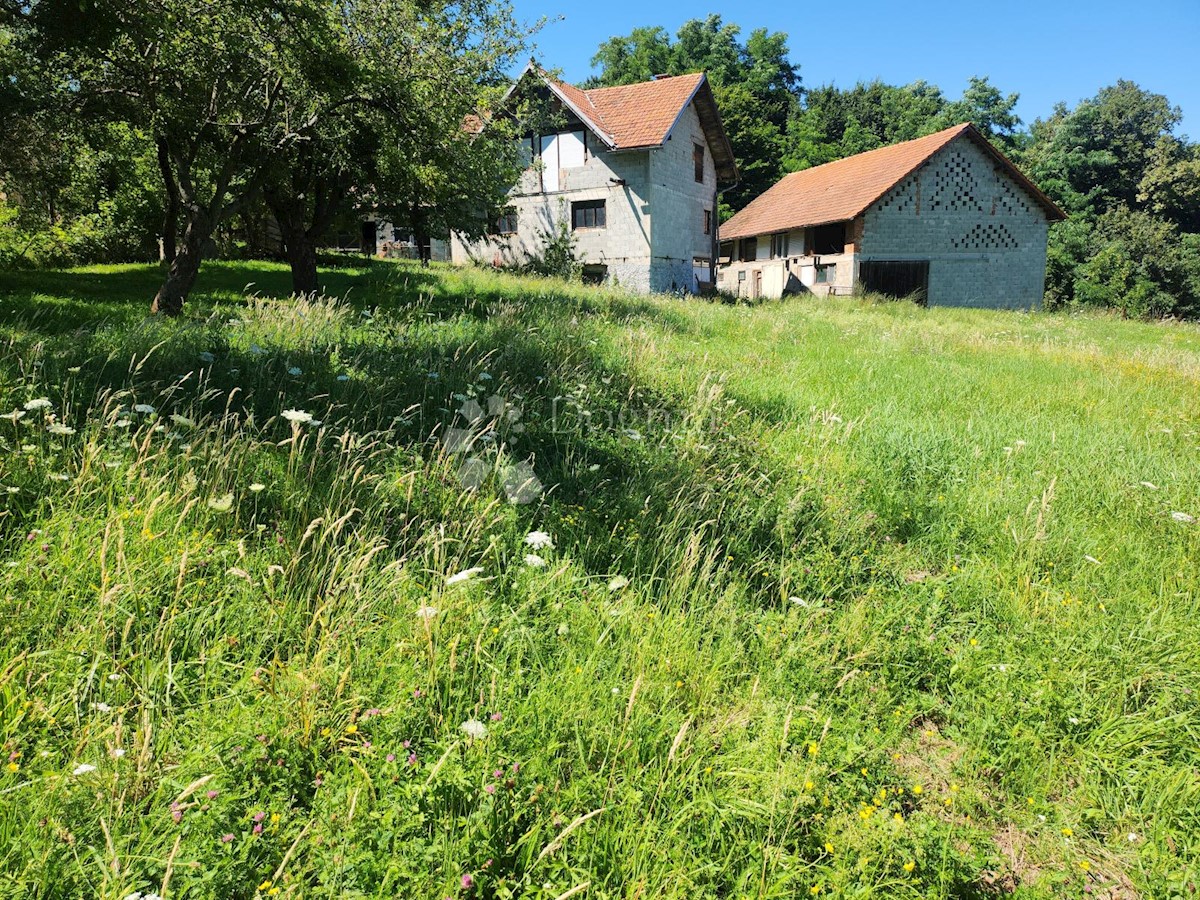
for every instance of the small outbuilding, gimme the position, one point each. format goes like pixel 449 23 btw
pixel 946 218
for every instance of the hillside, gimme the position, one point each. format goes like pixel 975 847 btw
pixel 470 586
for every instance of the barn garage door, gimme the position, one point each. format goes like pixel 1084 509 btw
pixel 896 278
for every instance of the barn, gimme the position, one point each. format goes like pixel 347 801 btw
pixel 946 218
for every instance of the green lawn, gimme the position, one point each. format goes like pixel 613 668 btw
pixel 843 599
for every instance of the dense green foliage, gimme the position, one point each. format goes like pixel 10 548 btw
pixel 316 108
pixel 840 599
pixel 1114 162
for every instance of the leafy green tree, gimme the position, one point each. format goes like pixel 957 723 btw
pixel 756 86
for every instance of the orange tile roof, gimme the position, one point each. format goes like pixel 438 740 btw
pixel 635 115
pixel 841 190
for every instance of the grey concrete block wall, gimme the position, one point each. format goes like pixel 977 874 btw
pixel 983 233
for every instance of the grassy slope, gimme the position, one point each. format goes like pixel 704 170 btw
pixel 857 541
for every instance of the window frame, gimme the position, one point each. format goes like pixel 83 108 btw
pixel 708 222
pixel 599 215
pixel 698 162
pixel 748 250
pixel 779 245
pixel 507 217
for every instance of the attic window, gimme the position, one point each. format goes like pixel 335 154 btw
pixel 698 162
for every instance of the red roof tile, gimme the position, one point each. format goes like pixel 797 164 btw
pixel 635 115
pixel 841 190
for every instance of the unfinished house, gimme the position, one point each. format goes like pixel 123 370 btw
pixel 633 171
pixel 945 218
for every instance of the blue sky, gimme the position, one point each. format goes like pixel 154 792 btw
pixel 1046 51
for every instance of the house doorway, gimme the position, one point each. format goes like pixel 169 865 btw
pixel 756 292
pixel 896 278
pixel 370 237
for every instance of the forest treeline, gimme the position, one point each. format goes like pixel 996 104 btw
pixel 95 158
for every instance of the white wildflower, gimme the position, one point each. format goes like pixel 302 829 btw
pixel 539 540
pixel 115 676
pixel 474 728
pixel 116 752
pixel 534 561
pixel 1132 837
pixel 617 584
pixel 594 467
pixel 221 504
pixel 83 769
pixel 15 415
pixel 297 416
pixel 12 489
pixel 39 403
pixel 427 612
pixel 59 428
pixel 464 575
pixel 59 476
pixel 101 707
pixel 1183 517
pixel 144 408
pixel 257 487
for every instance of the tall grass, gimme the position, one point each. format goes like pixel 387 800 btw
pixel 839 599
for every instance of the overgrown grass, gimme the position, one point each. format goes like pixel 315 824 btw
pixel 844 599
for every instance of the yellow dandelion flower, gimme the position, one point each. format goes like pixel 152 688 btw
pixel 1084 864
pixel 352 729
pixel 266 884
pixel 974 643
pixel 326 732
pixel 899 818
pixel 708 771
pixel 13 767
pixel 274 818
pixel 909 866
pixel 813 748
pixel 808 785
pixel 1067 832
pixel 828 847
pixel 864 770
pixel 679 683
pixel 917 789
pixel 815 889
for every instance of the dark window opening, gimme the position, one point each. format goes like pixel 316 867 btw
pixel 779 245
pixel 725 252
pixel 588 214
pixel 506 222
pixel 749 250
pixel 595 274
pixel 370 237
pixel 896 278
pixel 827 239
pixel 698 161
pixel 826 274
pixel 708 221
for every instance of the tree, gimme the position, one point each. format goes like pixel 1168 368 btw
pixel 234 92
pixel 756 86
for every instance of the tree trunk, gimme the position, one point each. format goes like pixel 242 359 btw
pixel 171 211
pixel 302 257
pixel 181 275
pixel 298 240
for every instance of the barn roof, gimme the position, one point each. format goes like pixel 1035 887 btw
pixel 842 190
pixel 642 116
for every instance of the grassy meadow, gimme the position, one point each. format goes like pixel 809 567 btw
pixel 458 585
